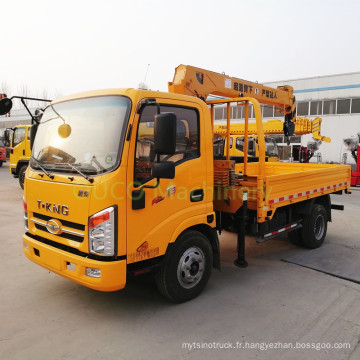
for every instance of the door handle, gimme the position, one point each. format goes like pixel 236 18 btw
pixel 197 195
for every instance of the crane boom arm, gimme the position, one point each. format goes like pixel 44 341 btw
pixel 189 80
pixel 303 125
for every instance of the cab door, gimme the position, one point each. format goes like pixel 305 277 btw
pixel 18 145
pixel 174 203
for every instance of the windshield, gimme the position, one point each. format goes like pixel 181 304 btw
pixel 1 143
pixel 271 147
pixel 97 128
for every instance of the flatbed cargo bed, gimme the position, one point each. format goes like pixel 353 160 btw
pixel 281 184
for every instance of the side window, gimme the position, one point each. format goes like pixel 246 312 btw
pixel 29 133
pixel 270 147
pixel 19 136
pixel 240 145
pixel 251 147
pixel 187 139
pixel 218 146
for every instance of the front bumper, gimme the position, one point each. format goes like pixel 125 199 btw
pixel 71 266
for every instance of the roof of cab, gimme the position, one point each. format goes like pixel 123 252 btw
pixel 134 94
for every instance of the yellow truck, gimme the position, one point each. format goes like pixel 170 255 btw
pixel 303 125
pixel 20 152
pixel 20 140
pixel 106 199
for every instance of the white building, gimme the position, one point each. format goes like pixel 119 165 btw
pixel 336 99
pixel 17 117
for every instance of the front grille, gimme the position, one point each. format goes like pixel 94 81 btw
pixel 69 230
pixel 62 235
pixel 64 222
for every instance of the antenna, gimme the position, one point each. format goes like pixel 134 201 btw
pixel 147 69
pixel 143 85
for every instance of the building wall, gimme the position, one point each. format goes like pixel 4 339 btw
pixel 17 117
pixel 317 91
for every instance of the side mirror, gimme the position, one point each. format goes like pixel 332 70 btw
pixel 33 131
pixel 165 133
pixel 5 106
pixel 163 170
pixel 38 114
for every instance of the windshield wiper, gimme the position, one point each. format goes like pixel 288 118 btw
pixel 89 179
pixel 39 165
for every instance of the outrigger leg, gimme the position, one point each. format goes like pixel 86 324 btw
pixel 240 219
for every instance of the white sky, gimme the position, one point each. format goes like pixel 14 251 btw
pixel 70 46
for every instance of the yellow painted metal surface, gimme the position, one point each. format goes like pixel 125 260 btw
pixel 303 125
pixel 73 267
pixel 22 150
pixel 288 183
pixel 201 83
pixel 168 209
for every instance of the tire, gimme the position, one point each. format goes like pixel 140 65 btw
pixel 187 267
pixel 314 227
pixel 1 162
pixel 22 176
pixel 295 237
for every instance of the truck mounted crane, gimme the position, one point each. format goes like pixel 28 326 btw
pixel 104 202
pixel 303 125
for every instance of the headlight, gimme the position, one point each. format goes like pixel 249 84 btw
pixel 102 232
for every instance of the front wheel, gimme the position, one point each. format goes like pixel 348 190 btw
pixel 22 176
pixel 187 267
pixel 1 162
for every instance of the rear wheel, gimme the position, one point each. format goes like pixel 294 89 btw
pixel 295 237
pixel 314 227
pixel 22 176
pixel 1 162
pixel 187 267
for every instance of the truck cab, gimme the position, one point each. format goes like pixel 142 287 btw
pixel 237 147
pixel 20 152
pixel 95 211
pixel 2 153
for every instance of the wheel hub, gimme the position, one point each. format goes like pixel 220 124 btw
pixel 319 227
pixel 191 267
